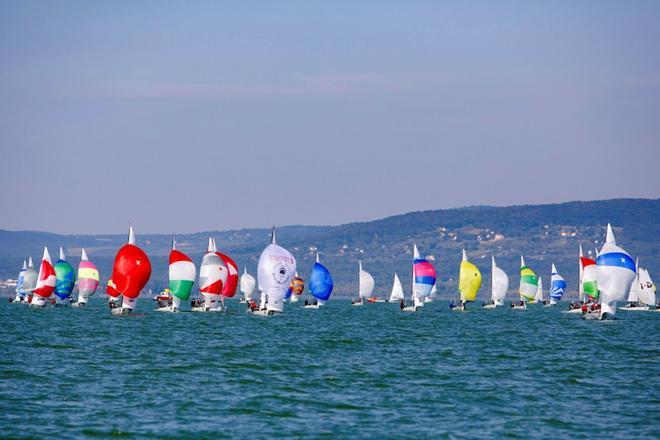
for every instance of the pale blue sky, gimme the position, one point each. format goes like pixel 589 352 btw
pixel 189 116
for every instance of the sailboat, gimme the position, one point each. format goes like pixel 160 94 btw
pixel 499 284
pixel 615 273
pixel 296 287
pixel 529 285
pixel 65 280
pixel 130 273
pixel 29 282
pixel 88 279
pixel 20 281
pixel 320 284
pixel 397 290
pixel 248 284
pixel 182 273
pixel 469 282
pixel 642 292
pixel 46 281
pixel 229 287
pixel 433 295
pixel 588 287
pixel 557 286
pixel 423 279
pixel 213 275
pixel 366 285
pixel 114 297
pixel 274 274
pixel 538 298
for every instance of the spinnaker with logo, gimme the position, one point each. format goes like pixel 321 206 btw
pixel 88 279
pixel 65 280
pixel 130 273
pixel 46 281
pixel 275 271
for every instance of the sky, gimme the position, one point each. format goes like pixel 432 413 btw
pixel 193 116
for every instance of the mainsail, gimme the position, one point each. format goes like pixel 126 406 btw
pixel 646 288
pixel 320 281
pixel 529 283
pixel 182 273
pixel 469 280
pixel 248 284
pixel 131 271
pixel 557 285
pixel 366 282
pixel 65 277
pixel 88 278
pixel 397 290
pixel 499 283
pixel 616 272
pixel 538 298
pixel 45 281
pixel 274 274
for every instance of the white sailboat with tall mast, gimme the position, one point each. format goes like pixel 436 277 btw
pixel 642 292
pixel 366 285
pixel 499 284
pixel 247 285
pixel 397 290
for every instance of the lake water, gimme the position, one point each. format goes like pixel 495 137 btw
pixel 337 372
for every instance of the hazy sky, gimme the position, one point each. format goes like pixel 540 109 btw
pixel 189 116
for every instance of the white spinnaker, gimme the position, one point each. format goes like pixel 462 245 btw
pixel 367 283
pixel 397 290
pixel 248 284
pixel 499 283
pixel 646 288
pixel 539 292
pixel 275 272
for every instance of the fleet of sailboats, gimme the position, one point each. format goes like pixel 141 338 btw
pixel 611 278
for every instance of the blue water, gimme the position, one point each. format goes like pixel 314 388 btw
pixel 337 372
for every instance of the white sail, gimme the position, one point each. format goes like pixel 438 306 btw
pixel 633 294
pixel 275 272
pixel 616 272
pixel 646 288
pixel 499 283
pixel 248 284
pixel 366 281
pixel 397 290
pixel 539 292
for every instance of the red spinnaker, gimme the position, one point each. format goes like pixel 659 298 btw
pixel 131 271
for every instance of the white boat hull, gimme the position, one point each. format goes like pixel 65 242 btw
pixel 204 309
pixel 262 312
pixel 312 306
pixel 489 306
pixel 409 309
pixel 121 311
pixel 635 308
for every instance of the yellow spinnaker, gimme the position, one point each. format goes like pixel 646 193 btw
pixel 469 281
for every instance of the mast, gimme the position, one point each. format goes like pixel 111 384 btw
pixel 580 270
pixel 492 277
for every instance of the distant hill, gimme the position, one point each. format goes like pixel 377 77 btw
pixel 543 233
